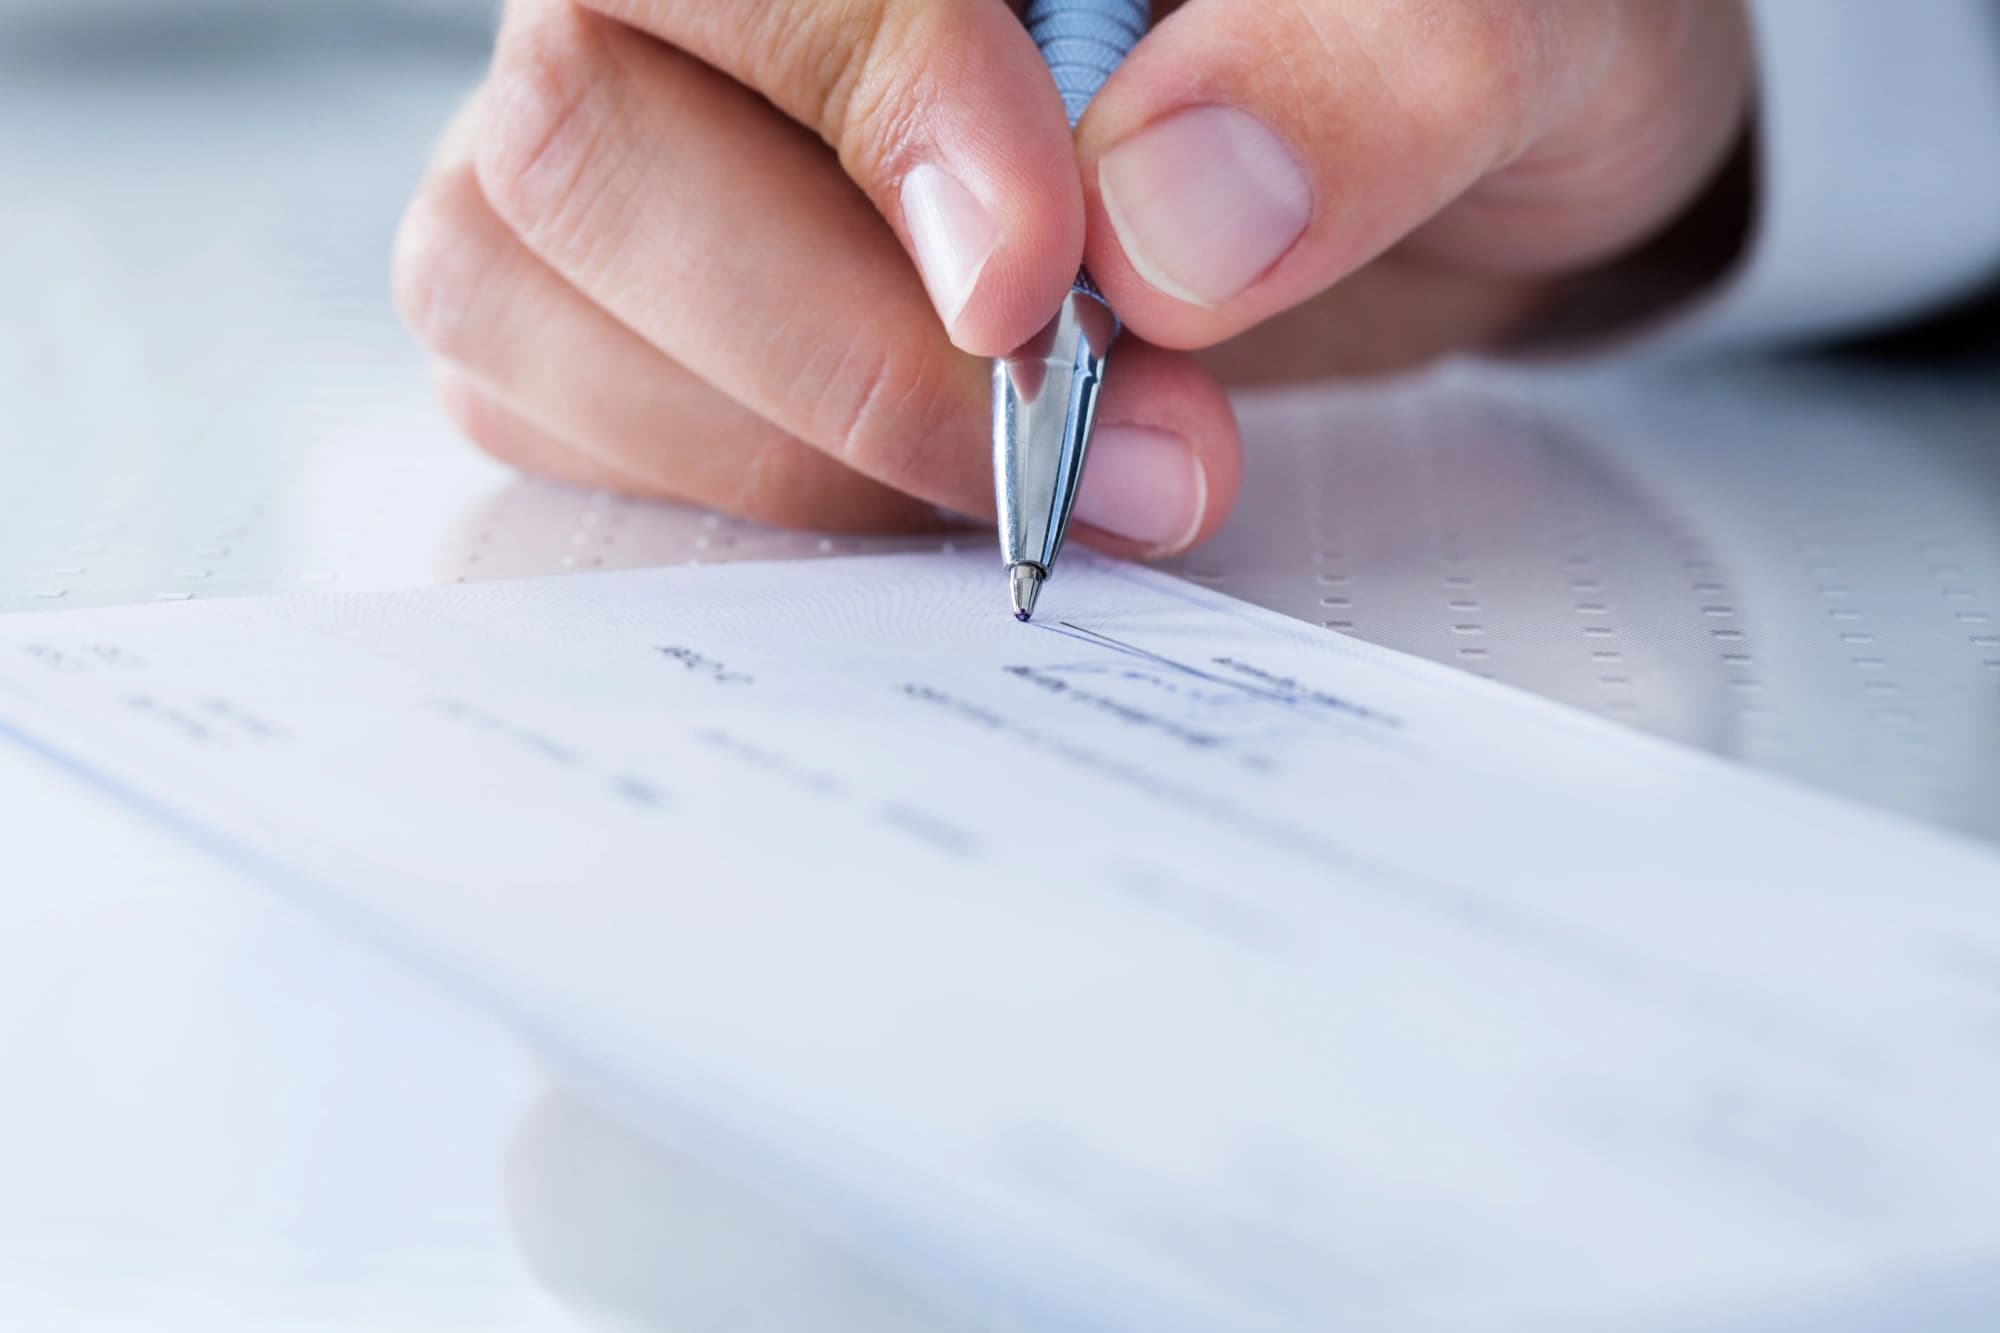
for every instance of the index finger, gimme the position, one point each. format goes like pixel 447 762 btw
pixel 941 111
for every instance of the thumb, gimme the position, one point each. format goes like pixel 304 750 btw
pixel 1251 153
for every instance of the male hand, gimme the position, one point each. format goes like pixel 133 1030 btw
pixel 754 254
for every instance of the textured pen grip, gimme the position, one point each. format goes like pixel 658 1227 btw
pixel 1082 41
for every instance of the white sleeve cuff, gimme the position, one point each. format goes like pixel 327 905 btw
pixel 1878 172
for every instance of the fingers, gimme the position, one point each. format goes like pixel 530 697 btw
pixel 1632 152
pixel 694 214
pixel 1251 153
pixel 513 439
pixel 542 375
pixel 941 111
pixel 1165 458
pixel 542 378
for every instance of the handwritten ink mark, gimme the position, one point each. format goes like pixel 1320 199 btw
pixel 1096 639
pixel 1262 685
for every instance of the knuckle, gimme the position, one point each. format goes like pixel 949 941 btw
pixel 873 113
pixel 885 411
pixel 546 119
pixel 440 263
pixel 785 483
pixel 777 483
pixel 846 74
pixel 822 59
pixel 473 412
pixel 1480 66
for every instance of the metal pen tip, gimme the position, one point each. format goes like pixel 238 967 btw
pixel 1024 585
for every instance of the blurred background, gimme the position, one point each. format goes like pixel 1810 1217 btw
pixel 196 340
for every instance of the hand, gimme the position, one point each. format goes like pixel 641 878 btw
pixel 669 244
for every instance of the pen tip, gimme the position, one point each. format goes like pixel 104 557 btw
pixel 1024 585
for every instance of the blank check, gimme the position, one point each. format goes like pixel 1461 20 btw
pixel 1162 964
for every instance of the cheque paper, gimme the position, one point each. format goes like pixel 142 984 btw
pixel 1161 964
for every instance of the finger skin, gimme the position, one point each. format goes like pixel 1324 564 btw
pixel 497 315
pixel 895 85
pixel 1630 157
pixel 1168 392
pixel 512 439
pixel 1389 115
pixel 1155 392
pixel 542 376
pixel 732 244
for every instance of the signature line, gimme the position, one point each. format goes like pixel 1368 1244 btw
pixel 1091 636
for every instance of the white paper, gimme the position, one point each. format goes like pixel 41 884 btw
pixel 1164 964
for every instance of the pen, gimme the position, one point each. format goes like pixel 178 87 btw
pixel 1045 392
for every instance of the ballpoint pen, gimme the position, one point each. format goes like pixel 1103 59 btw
pixel 1045 392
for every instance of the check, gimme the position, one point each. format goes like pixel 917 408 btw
pixel 1163 964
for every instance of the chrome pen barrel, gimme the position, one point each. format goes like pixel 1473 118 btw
pixel 1045 394
pixel 1044 401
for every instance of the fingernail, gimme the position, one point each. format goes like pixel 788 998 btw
pixel 953 233
pixel 1143 484
pixel 1204 201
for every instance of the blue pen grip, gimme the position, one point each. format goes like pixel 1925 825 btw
pixel 1082 41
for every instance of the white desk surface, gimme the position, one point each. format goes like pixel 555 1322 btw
pixel 218 1116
